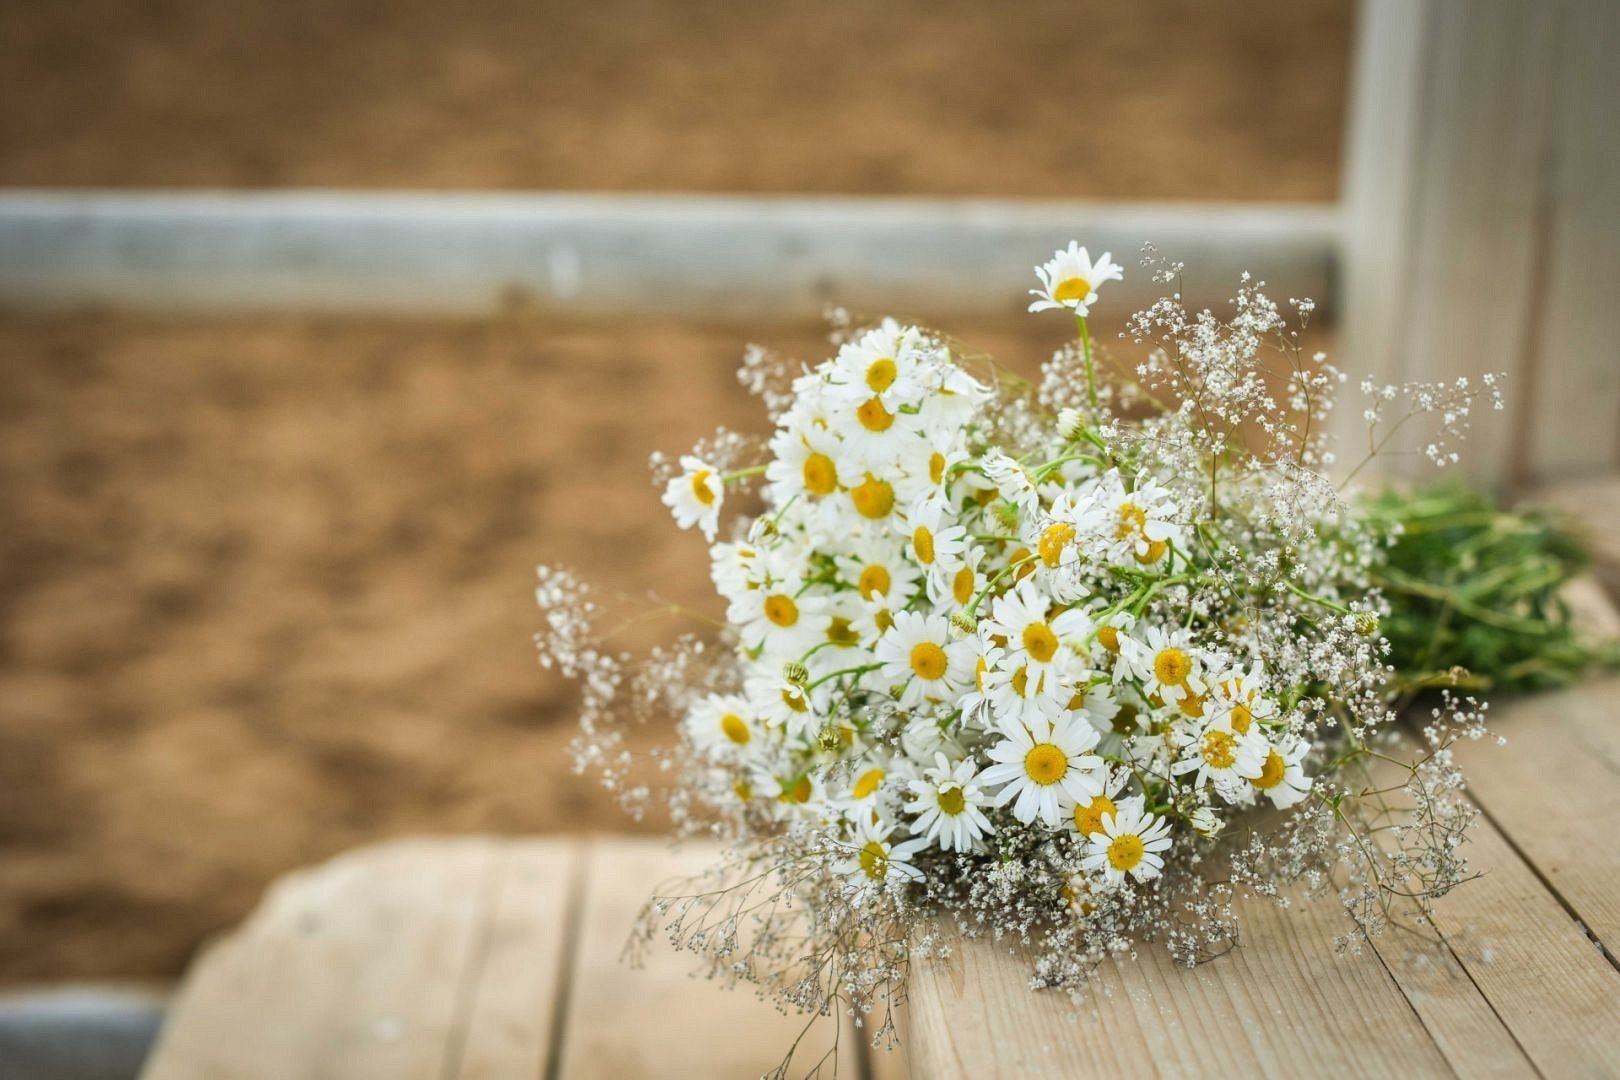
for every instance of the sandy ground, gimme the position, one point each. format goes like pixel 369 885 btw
pixel 1151 99
pixel 265 594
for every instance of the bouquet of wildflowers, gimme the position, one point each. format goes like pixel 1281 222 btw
pixel 1074 663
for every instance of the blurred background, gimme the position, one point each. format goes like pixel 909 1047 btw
pixel 276 471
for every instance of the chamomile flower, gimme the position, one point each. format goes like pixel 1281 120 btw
pixel 1240 694
pixel 1140 522
pixel 881 365
pixel 934 542
pixel 1012 481
pixel 1086 817
pixel 1069 279
pixel 1221 756
pixel 919 654
pixel 1165 662
pixel 721 725
pixel 804 465
pixel 1020 617
pixel 1044 771
pixel 946 802
pixel 779 620
pixel 976 705
pixel 1021 693
pixel 872 861
pixel 1282 776
pixel 1132 842
pixel 695 495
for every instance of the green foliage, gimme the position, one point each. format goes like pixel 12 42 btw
pixel 1476 587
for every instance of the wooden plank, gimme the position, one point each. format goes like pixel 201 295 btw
pixel 513 997
pixel 1281 1005
pixel 659 1020
pixel 735 256
pixel 1551 987
pixel 1593 506
pixel 351 969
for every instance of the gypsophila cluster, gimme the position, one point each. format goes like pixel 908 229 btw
pixel 1074 677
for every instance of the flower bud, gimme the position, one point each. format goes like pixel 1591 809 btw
pixel 795 673
pixel 963 623
pixel 1366 623
pixel 1070 424
pixel 1205 823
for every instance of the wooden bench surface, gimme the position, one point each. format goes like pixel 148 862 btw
pixel 485 957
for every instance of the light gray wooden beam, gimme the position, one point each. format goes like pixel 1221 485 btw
pixel 602 254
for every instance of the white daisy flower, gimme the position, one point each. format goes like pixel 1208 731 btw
pixel 1086 818
pixel 919 650
pixel 934 542
pixel 1012 482
pixel 1221 756
pixel 695 496
pixel 783 705
pixel 1132 842
pixel 1282 776
pixel 946 803
pixel 1141 522
pixel 721 726
pixel 873 861
pixel 1240 694
pixel 1022 693
pixel 1045 770
pixel 882 365
pixel 976 705
pixel 1019 616
pixel 803 465
pixel 1069 279
pixel 778 620
pixel 1167 665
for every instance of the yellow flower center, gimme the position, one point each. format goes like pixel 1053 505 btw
pixel 1108 637
pixel 868 783
pixel 1125 852
pixel 1026 568
pixel 1271 773
pixel 1132 519
pixel 1155 551
pixel 735 729
pixel 1172 666
pixel 978 673
pixel 936 467
pixel 928 661
pixel 744 790
pixel 839 632
pixel 800 792
pixel 1040 642
pixel 922 541
pixel 1125 720
pixel 875 861
pixel 1020 681
pixel 880 375
pixel 820 474
pixel 1075 288
pixel 781 610
pixel 951 800
pixel 795 701
pixel 1088 817
pixel 1219 749
pixel 1192 705
pixel 873 416
pixel 1052 542
pixel 1046 764
pixel 883 619
pixel 874 581
pixel 873 498
pixel 962 585
pixel 700 487
pixel 1242 718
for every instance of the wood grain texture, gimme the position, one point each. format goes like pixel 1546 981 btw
pixel 1281 1005
pixel 661 1020
pixel 514 986
pixel 351 969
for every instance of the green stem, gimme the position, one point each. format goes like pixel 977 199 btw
pixel 752 470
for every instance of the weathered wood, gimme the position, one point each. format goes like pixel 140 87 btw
pixel 736 256
pixel 514 988
pixel 660 1020
pixel 1479 194
pixel 1281 1005
pixel 351 969
pixel 1593 506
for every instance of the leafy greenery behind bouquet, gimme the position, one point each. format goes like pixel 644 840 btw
pixel 1475 587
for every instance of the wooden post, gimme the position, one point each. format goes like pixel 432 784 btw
pixel 1482 219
